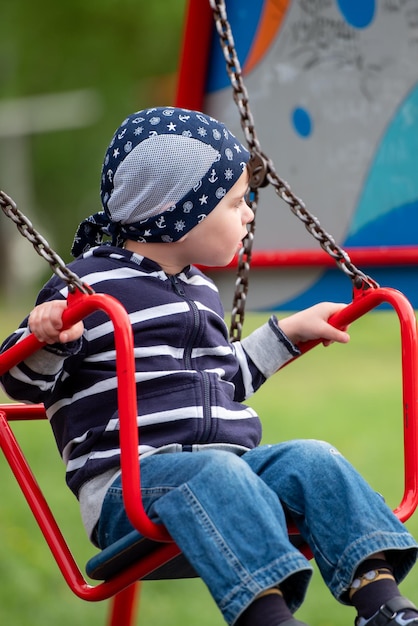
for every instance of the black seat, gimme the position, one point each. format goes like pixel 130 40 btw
pixel 134 547
pixel 130 549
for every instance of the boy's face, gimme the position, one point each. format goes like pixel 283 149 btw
pixel 215 241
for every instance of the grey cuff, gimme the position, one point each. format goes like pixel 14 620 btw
pixel 49 359
pixel 269 348
pixel 64 349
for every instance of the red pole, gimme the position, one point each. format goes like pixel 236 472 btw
pixel 194 57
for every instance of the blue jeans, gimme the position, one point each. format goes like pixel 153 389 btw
pixel 228 513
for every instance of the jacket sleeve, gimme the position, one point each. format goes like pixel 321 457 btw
pixel 31 379
pixel 260 355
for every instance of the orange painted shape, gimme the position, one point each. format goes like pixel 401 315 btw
pixel 270 22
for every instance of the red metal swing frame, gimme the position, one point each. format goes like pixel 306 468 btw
pixel 123 587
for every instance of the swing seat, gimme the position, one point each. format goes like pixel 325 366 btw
pixel 129 550
pixel 134 547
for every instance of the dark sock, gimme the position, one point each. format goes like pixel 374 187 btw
pixel 269 609
pixel 368 599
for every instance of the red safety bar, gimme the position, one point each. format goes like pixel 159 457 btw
pixel 363 302
pixel 379 256
pixel 120 587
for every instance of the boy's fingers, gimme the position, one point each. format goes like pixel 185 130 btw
pixel 336 335
pixel 72 333
pixel 45 321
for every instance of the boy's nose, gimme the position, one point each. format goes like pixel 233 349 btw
pixel 249 215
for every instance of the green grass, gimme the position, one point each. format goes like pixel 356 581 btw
pixel 349 395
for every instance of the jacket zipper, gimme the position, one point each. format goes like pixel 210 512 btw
pixel 207 412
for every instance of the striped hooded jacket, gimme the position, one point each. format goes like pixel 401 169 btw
pixel 191 380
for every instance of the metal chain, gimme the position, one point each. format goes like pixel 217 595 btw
pixel 233 68
pixel 241 283
pixel 314 227
pixel 262 173
pixel 41 246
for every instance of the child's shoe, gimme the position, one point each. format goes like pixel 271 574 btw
pixel 396 612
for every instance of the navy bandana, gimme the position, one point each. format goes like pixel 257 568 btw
pixel 165 170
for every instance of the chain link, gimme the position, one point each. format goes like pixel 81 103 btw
pixel 41 246
pixel 315 229
pixel 262 173
pixel 241 283
pixel 233 67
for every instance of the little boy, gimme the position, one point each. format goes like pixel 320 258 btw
pixel 173 190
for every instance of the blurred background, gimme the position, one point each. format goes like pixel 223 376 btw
pixel 69 74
